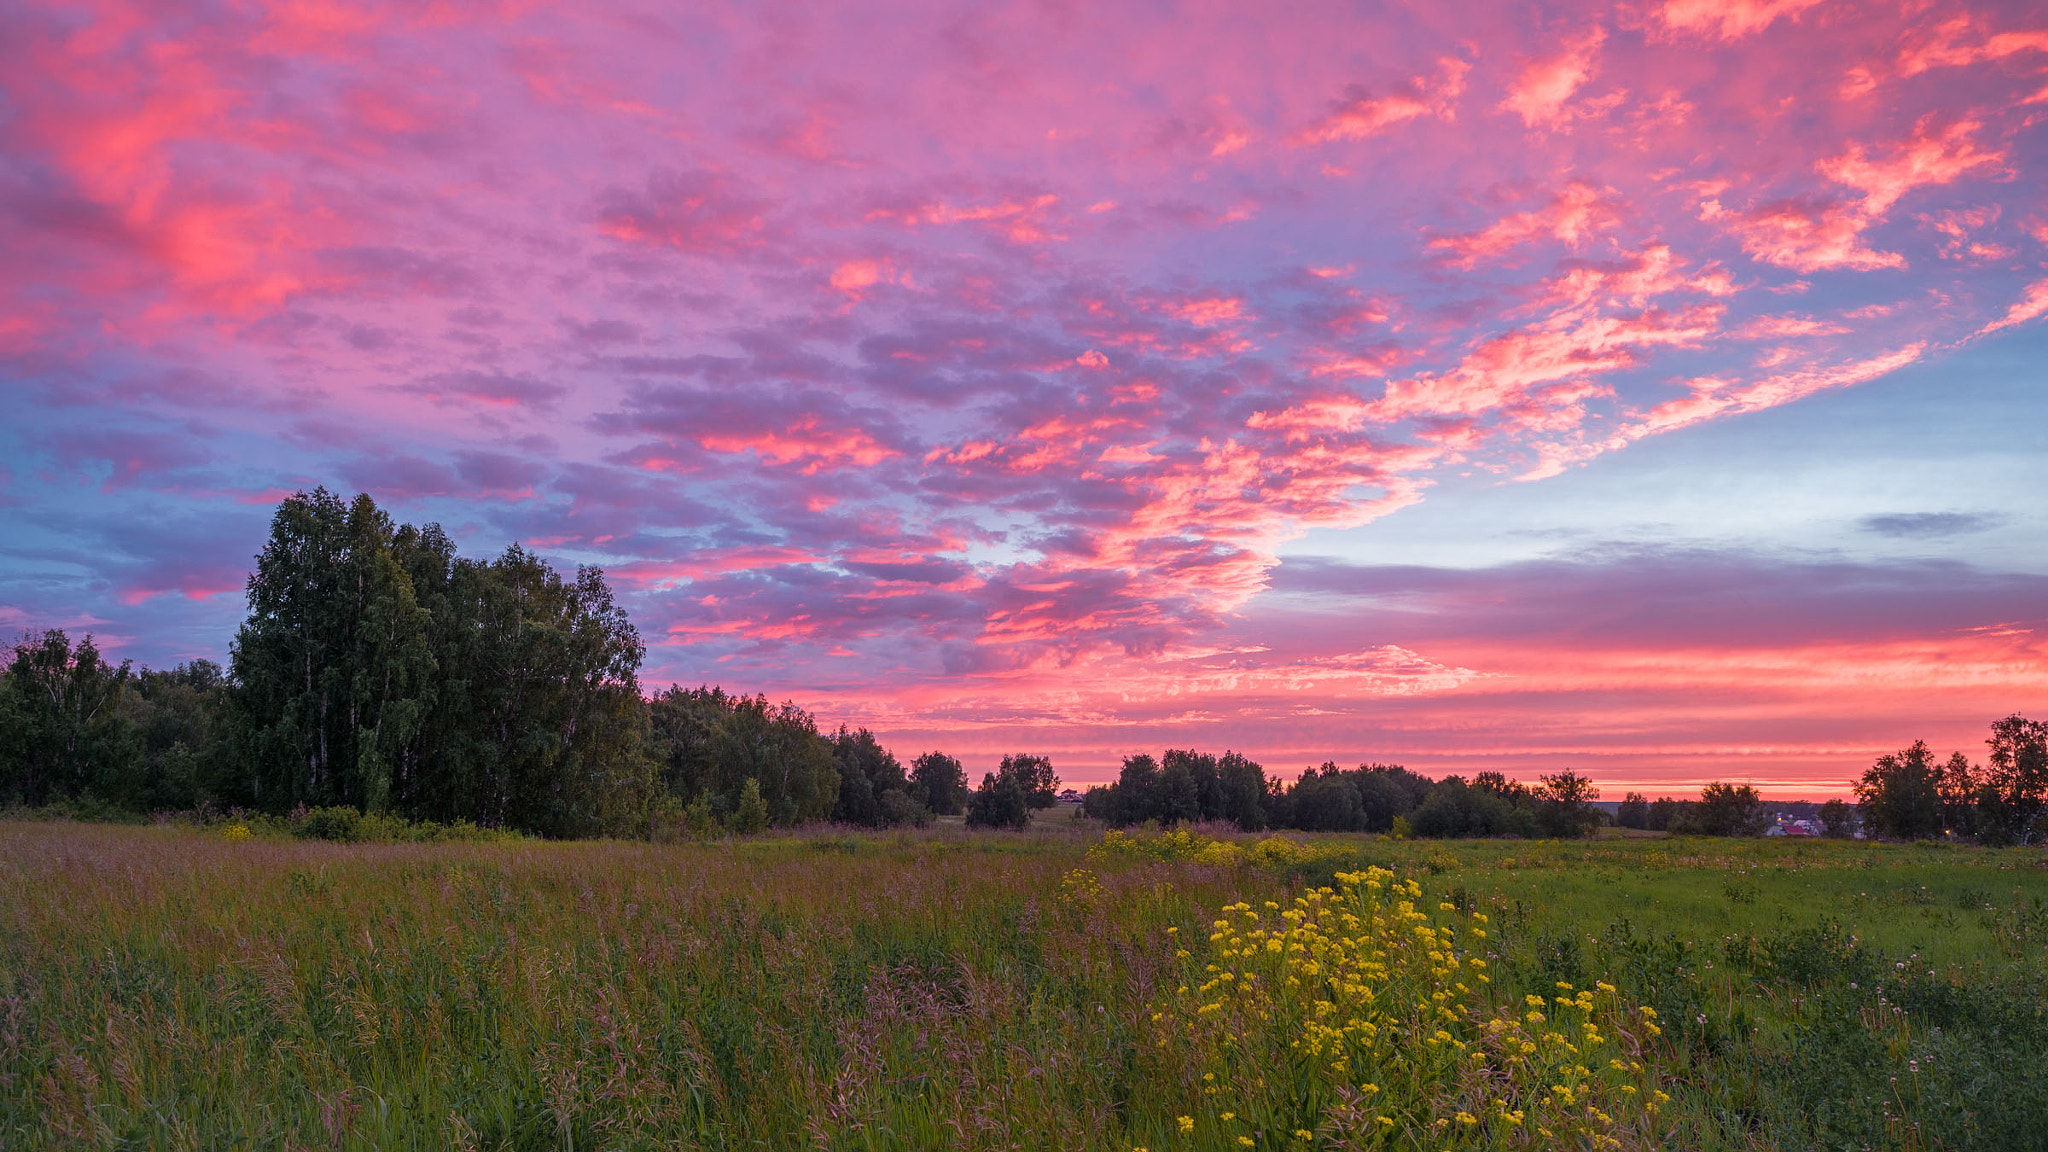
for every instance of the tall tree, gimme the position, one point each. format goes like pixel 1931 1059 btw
pixel 873 790
pixel 181 719
pixel 330 663
pixel 2014 787
pixel 1034 774
pixel 508 696
pixel 62 731
pixel 1242 785
pixel 939 783
pixel 1565 805
pixel 1001 802
pixel 547 721
pixel 778 746
pixel 1899 797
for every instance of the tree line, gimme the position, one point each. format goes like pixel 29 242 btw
pixel 1910 795
pixel 1185 785
pixel 379 671
pixel 1905 795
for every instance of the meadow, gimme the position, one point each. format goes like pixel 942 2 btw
pixel 175 987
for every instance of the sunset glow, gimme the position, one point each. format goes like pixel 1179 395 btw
pixel 1652 389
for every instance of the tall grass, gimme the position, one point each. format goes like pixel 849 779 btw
pixel 170 988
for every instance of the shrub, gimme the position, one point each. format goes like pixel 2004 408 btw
pixel 750 815
pixel 899 808
pixel 338 823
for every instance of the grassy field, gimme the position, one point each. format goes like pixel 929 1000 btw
pixel 171 988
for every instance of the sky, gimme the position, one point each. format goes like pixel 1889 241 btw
pixel 1653 389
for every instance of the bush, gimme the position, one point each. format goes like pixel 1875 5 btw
pixel 898 808
pixel 699 819
pixel 1000 802
pixel 340 824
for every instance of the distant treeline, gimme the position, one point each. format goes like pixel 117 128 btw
pixel 1190 786
pixel 379 672
pixel 1904 795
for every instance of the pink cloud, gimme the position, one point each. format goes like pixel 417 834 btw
pixel 1784 327
pixel 1959 41
pixel 1501 370
pixel 1805 235
pixel 1810 235
pixel 1927 158
pixel 1728 19
pixel 1361 115
pixel 1539 93
pixel 2032 305
pixel 809 442
pixel 1572 216
pixel 1713 397
pixel 1020 220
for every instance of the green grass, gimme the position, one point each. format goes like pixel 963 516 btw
pixel 167 988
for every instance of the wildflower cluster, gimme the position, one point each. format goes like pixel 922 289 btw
pixel 1080 884
pixel 236 831
pixel 1355 1017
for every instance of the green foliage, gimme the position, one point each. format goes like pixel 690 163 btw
pixel 1564 805
pixel 1002 801
pixel 1900 795
pixel 1837 820
pixel 339 823
pixel 1240 792
pixel 2012 792
pixel 699 819
pixel 1633 811
pixel 1034 775
pixel 900 808
pixel 1728 810
pixel 939 782
pixel 1454 809
pixel 63 734
pixel 332 663
pixel 182 719
pixel 710 744
pixel 873 790
pixel 750 810
pixel 380 671
pixel 1666 811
